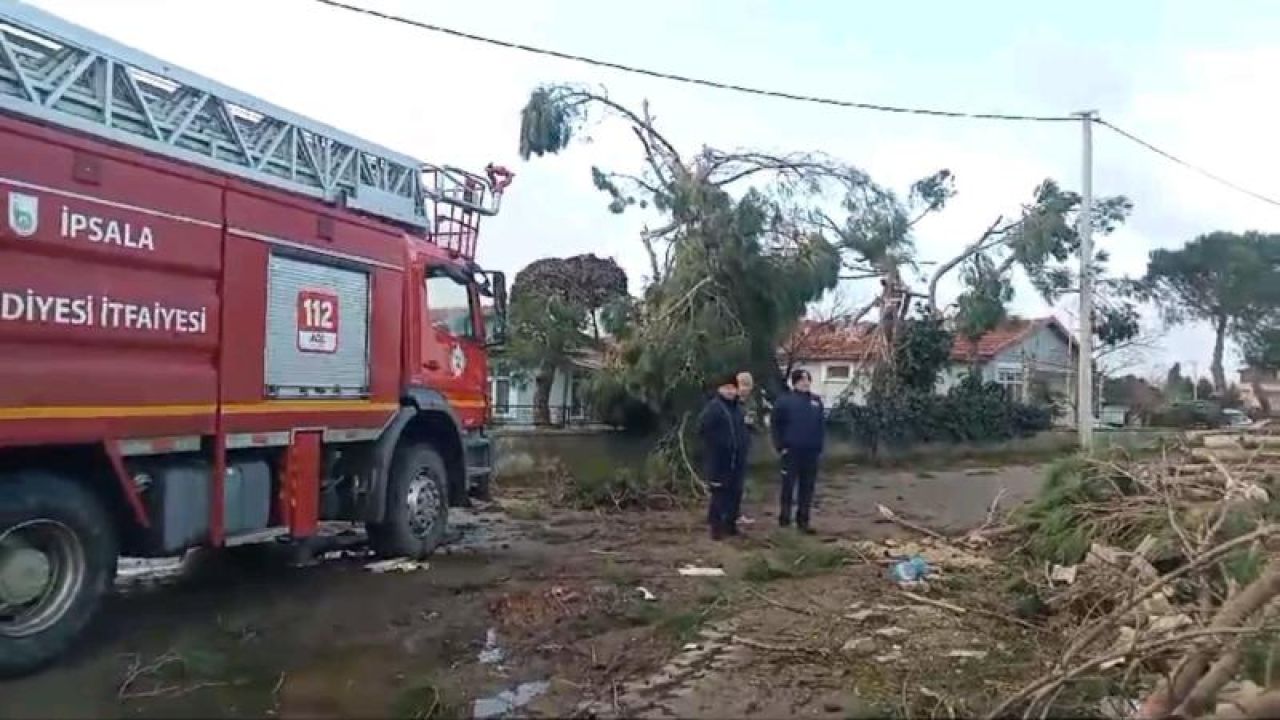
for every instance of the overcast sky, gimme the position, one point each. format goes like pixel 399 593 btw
pixel 1194 77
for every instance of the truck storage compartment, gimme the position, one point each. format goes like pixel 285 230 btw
pixel 317 341
pixel 177 501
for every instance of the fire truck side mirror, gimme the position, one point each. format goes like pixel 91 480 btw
pixel 496 327
pixel 499 281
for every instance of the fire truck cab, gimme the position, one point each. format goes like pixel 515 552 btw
pixel 220 323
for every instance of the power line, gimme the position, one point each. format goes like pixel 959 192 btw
pixel 783 95
pixel 779 94
pixel 1199 170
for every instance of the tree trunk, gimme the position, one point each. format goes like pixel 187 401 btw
pixel 1219 345
pixel 1264 402
pixel 542 383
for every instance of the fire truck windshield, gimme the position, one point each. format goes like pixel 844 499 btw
pixel 450 304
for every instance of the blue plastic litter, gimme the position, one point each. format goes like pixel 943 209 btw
pixel 913 569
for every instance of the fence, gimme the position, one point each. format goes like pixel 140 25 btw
pixel 526 416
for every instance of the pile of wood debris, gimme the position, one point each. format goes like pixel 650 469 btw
pixel 1173 606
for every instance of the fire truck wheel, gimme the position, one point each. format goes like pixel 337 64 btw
pixel 57 559
pixel 417 505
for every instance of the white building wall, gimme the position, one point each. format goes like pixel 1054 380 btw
pixel 519 407
pixel 834 380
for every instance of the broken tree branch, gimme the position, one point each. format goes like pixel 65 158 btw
pixel 893 517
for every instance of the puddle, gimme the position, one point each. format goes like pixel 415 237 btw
pixel 492 652
pixel 508 701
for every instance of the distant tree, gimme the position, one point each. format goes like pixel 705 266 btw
pixel 1224 279
pixel 1232 398
pixel 1130 391
pixel 1204 389
pixel 556 304
pixel 1177 388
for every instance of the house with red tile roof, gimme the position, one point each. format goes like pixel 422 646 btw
pixel 1018 353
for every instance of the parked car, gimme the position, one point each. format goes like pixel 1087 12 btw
pixel 1236 418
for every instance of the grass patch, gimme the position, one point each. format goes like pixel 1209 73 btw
pixel 424 701
pixel 683 627
pixel 792 556
pixel 191 666
pixel 624 576
pixel 1261 662
pixel 680 622
pixel 762 484
pixel 527 510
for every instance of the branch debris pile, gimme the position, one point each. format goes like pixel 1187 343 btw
pixel 1161 577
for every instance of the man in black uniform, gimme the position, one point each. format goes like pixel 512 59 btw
pixel 723 434
pixel 798 431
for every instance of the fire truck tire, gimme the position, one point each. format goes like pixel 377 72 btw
pixel 58 547
pixel 417 513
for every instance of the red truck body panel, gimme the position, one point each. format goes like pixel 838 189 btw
pixel 136 306
pixel 78 365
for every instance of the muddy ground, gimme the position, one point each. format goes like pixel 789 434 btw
pixel 564 613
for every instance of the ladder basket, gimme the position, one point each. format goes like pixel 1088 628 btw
pixel 460 200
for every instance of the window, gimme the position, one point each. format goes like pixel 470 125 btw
pixel 577 409
pixel 500 396
pixel 837 373
pixel 1010 377
pixel 449 304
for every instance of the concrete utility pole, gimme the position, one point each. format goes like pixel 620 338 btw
pixel 1084 403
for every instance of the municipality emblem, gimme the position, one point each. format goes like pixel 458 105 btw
pixel 24 214
pixel 458 360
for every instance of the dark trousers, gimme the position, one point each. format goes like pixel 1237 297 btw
pixel 739 488
pixel 726 501
pixel 799 474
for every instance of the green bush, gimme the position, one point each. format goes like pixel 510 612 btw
pixel 662 482
pixel 973 411
pixel 615 405
pixel 1188 415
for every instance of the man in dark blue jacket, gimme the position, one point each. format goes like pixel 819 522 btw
pixel 724 434
pixel 798 428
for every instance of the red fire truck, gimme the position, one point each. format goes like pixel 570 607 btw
pixel 220 323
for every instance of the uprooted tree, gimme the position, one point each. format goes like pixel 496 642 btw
pixel 1041 241
pixel 734 258
pixel 556 308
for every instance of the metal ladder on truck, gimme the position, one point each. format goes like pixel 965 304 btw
pixel 59 73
